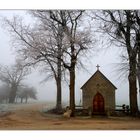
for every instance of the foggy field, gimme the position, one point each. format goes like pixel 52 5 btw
pixel 30 117
pixel 31 105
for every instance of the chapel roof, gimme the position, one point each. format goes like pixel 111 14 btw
pixel 103 76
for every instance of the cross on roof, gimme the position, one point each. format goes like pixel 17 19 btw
pixel 97 67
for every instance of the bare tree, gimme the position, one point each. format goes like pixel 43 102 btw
pixel 77 40
pixel 39 45
pixel 26 93
pixel 119 26
pixel 13 77
pixel 53 50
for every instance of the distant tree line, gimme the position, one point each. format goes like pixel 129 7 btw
pixel 22 94
pixel 13 89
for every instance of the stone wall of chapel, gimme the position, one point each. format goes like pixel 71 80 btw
pixel 99 84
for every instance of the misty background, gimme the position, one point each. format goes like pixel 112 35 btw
pixel 106 58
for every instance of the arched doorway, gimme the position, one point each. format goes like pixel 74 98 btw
pixel 98 104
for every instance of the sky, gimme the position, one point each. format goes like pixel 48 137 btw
pixel 47 91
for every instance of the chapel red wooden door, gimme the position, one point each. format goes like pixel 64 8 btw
pixel 98 103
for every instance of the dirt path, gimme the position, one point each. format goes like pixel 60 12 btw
pixel 29 117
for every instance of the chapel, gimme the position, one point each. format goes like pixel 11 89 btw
pixel 98 94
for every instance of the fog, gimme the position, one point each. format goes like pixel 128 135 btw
pixel 47 91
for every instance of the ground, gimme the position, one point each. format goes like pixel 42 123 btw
pixel 30 117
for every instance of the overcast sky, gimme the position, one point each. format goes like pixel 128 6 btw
pixel 47 91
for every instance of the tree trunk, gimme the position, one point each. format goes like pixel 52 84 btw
pixel 59 87
pixel 26 99
pixel 59 77
pixel 58 99
pixel 72 91
pixel 133 87
pixel 12 95
pixel 21 100
pixel 6 100
pixel 138 71
pixel 16 99
pixel 72 80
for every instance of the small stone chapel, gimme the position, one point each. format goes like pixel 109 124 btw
pixel 98 94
